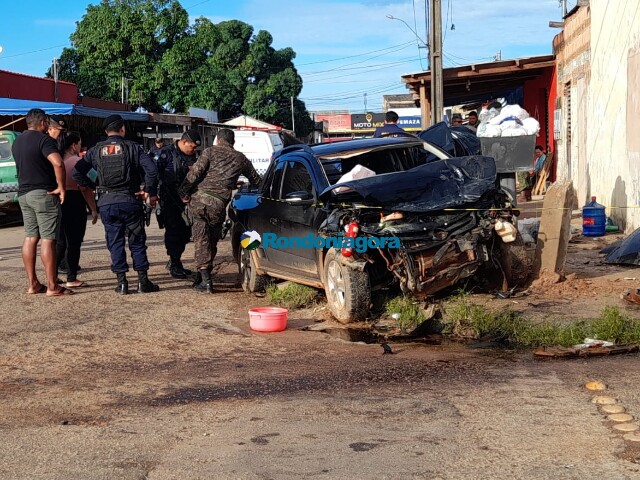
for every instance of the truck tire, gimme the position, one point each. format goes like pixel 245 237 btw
pixel 348 290
pixel 251 280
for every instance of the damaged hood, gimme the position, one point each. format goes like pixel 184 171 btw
pixel 432 186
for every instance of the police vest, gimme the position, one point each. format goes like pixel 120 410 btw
pixel 173 165
pixel 114 165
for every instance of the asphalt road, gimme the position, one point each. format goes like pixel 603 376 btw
pixel 174 385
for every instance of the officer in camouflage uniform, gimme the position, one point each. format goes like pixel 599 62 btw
pixel 118 167
pixel 207 188
pixel 173 163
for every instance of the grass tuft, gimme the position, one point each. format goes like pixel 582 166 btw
pixel 463 318
pixel 293 295
pixel 411 315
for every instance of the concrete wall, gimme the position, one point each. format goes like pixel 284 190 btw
pixel 573 57
pixel 613 109
pixel 598 56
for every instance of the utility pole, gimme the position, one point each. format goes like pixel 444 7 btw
pixel 293 118
pixel 427 35
pixel 435 59
pixel 55 79
pixel 121 89
pixel 365 102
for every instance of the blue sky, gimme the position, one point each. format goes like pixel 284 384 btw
pixel 345 48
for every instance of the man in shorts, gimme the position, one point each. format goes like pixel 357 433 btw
pixel 41 190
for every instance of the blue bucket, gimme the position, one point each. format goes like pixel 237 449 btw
pixel 594 220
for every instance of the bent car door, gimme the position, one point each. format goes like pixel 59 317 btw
pixel 296 214
pixel 264 217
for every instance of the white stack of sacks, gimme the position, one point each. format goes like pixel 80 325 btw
pixel 509 121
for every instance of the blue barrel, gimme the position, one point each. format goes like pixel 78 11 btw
pixel 594 220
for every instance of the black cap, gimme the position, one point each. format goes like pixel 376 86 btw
pixel 57 122
pixel 193 135
pixel 111 120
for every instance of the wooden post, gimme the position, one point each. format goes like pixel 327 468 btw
pixel 425 107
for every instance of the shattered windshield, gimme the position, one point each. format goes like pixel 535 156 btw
pixel 379 161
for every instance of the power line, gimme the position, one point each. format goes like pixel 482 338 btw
pixel 342 67
pixel 415 28
pixel 196 4
pixel 32 51
pixel 366 67
pixel 351 74
pixel 353 93
pixel 354 56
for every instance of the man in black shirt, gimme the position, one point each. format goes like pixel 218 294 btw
pixel 390 127
pixel 41 190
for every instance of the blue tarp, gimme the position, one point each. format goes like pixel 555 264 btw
pixel 14 106
pixel 100 113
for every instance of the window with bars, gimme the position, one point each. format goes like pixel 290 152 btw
pixel 567 95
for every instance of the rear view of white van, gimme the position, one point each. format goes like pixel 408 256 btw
pixel 258 146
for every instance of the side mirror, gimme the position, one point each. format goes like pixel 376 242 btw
pixel 299 198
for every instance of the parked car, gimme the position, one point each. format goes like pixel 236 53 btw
pixel 441 209
pixel 8 171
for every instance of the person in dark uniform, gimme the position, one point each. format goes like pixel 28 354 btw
pixel 173 164
pixel 158 145
pixel 390 127
pixel 56 129
pixel 118 167
pixel 207 189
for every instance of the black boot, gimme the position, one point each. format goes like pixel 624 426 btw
pixel 145 285
pixel 123 284
pixel 176 269
pixel 205 285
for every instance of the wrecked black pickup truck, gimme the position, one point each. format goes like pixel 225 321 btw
pixel 443 219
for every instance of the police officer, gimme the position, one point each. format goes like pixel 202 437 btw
pixel 173 164
pixel 118 167
pixel 207 189
pixel 158 145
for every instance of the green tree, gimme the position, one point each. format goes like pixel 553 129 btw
pixel 172 65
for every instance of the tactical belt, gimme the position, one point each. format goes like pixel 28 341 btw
pixel 104 191
pixel 215 195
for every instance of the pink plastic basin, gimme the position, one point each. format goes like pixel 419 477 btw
pixel 268 319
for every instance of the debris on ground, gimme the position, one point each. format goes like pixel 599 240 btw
pixel 593 342
pixel 386 348
pixel 632 296
pixel 572 352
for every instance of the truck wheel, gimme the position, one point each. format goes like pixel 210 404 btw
pixel 251 281
pixel 348 291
